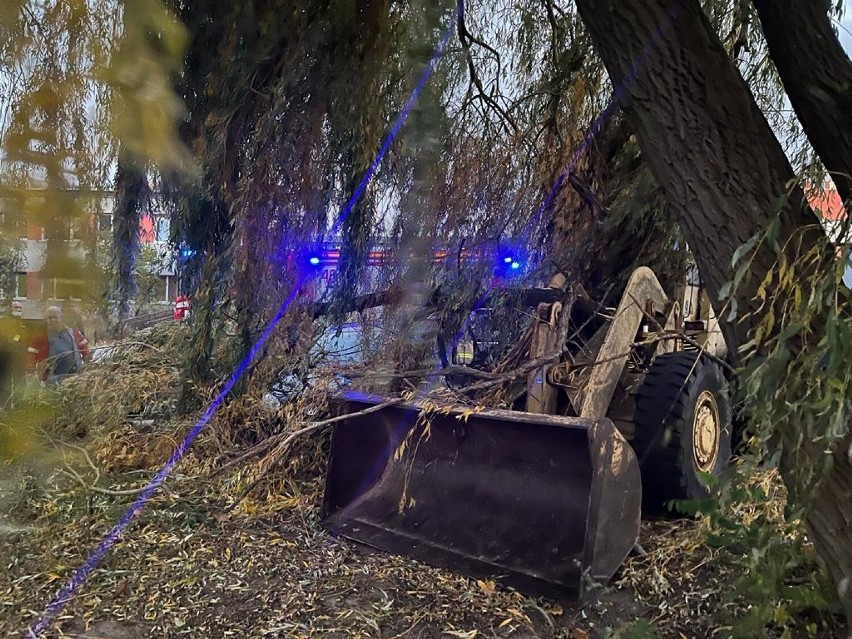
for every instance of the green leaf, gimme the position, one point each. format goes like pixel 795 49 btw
pixel 742 250
pixel 790 330
pixel 772 234
pixel 732 313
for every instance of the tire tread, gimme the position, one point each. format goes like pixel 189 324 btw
pixel 661 406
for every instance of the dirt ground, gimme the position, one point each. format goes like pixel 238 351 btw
pixel 268 569
pixel 201 561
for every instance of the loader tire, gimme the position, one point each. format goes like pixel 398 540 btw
pixel 683 428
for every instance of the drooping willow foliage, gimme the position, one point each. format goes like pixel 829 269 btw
pixel 78 84
pixel 287 103
pixel 254 122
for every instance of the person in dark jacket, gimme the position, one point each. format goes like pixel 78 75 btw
pixel 60 351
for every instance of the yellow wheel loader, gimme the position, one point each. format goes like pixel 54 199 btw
pixel 549 498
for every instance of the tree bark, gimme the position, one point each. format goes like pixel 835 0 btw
pixel 704 137
pixel 131 194
pixel 722 171
pixel 817 75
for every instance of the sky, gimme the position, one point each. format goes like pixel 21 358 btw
pixel 845 28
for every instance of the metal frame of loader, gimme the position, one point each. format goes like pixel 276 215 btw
pixel 550 497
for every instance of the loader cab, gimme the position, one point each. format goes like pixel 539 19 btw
pixel 623 363
pixel 699 319
pixel 479 344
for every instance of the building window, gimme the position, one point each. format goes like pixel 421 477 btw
pixel 12 224
pixel 68 289
pixel 48 288
pixel 62 288
pixel 161 229
pixel 73 231
pixel 21 286
pixel 163 289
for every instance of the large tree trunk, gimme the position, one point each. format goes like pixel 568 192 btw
pixel 817 75
pixel 610 218
pixel 700 130
pixel 722 171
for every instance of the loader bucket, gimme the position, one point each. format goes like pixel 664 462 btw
pixel 538 501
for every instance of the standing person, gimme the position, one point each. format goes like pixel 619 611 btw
pixel 60 351
pixel 12 356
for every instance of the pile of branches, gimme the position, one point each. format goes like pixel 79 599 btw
pixel 136 379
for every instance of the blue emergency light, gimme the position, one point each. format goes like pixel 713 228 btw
pixel 510 263
pixel 185 252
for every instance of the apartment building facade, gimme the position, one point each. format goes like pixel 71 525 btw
pixel 34 291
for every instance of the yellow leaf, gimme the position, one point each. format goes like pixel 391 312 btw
pixel 488 586
pixel 505 622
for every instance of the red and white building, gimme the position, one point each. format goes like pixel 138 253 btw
pixel 35 292
pixel 828 205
